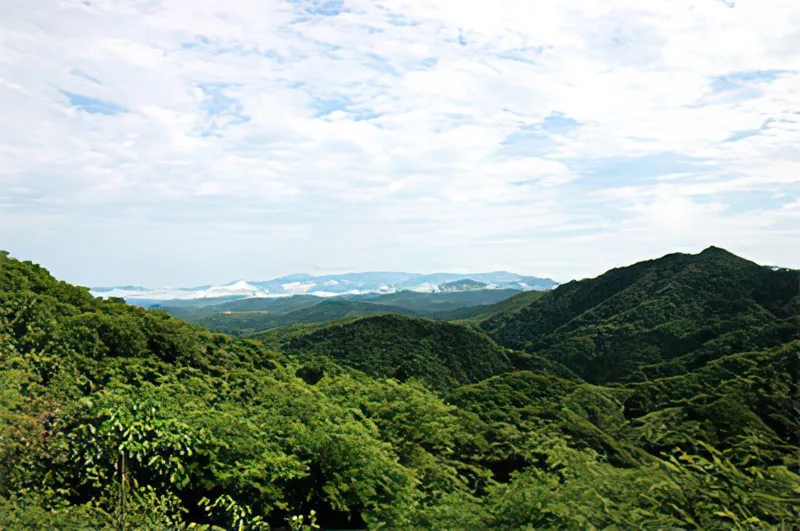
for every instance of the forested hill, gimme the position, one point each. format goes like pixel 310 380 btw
pixel 253 315
pixel 116 417
pixel 443 355
pixel 657 318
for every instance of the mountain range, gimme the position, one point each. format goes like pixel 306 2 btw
pixel 331 285
pixel 256 314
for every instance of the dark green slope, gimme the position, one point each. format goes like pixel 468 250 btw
pixel 443 355
pixel 591 416
pixel 249 316
pixel 432 304
pixel 242 323
pixel 608 328
pixel 264 304
pixel 732 396
pixel 512 304
pixel 271 306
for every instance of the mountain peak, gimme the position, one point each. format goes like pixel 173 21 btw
pixel 713 250
pixel 723 257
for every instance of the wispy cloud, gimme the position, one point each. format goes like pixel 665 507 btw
pixel 182 143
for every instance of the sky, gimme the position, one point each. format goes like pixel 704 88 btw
pixel 166 142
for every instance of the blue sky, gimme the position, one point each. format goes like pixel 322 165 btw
pixel 173 143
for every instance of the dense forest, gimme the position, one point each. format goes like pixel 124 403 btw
pixel 662 395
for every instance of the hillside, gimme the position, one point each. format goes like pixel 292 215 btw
pixel 624 323
pixel 249 316
pixel 441 354
pixel 243 323
pixel 511 305
pixel 440 304
pixel 215 432
pixel 190 311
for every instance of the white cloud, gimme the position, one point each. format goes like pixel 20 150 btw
pixel 374 139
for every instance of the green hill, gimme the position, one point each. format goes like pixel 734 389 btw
pixel 249 316
pixel 466 284
pixel 511 305
pixel 441 354
pixel 440 304
pixel 625 322
pixel 591 416
pixel 243 323
pixel 272 306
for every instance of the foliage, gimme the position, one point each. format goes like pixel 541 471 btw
pixel 441 354
pixel 250 316
pixel 513 304
pixel 112 414
pixel 627 322
pixel 569 488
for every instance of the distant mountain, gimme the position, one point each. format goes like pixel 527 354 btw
pixel 462 285
pixel 508 306
pixel 330 309
pixel 247 316
pixel 331 285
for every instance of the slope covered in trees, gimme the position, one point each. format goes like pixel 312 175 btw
pixel 441 354
pixel 250 316
pixel 513 304
pixel 657 317
pixel 214 432
pixel 246 323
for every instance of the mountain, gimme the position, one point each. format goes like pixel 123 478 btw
pixel 510 305
pixel 328 286
pixel 439 302
pixel 244 323
pixel 656 318
pixel 114 416
pixel 466 284
pixel 441 354
pixel 247 316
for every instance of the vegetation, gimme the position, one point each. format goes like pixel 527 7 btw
pixel 246 323
pixel 680 309
pixel 441 354
pixel 513 304
pixel 440 303
pixel 113 416
pixel 250 316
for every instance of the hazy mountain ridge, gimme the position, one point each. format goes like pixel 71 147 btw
pixel 333 285
pixel 248 316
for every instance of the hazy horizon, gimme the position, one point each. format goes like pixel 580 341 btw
pixel 600 269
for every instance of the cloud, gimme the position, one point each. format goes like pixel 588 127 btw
pixel 178 144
